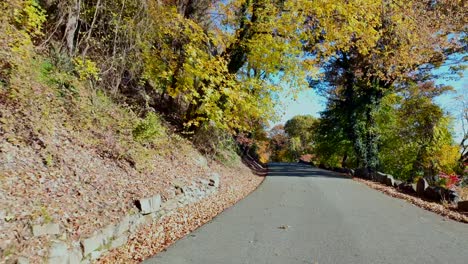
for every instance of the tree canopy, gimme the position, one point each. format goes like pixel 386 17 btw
pixel 222 64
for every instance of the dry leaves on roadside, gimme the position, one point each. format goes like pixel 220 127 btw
pixel 156 237
pixel 430 206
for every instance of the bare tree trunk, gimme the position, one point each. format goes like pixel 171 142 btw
pixel 344 160
pixel 72 25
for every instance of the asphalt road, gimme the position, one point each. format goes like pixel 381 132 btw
pixel 306 215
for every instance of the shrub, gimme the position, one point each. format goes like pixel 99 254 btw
pixel 217 144
pixel 448 181
pixel 51 75
pixel 148 129
pixel 86 69
pixel 30 18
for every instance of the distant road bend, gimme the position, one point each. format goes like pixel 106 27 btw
pixel 307 215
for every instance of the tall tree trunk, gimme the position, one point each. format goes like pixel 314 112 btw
pixel 372 158
pixel 72 25
pixel 344 160
pixel 374 100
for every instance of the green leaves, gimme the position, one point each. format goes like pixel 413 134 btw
pixel 221 63
pixel 30 17
pixel 415 136
pixel 148 129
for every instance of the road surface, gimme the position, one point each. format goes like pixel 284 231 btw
pixel 306 215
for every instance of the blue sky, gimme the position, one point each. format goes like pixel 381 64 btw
pixel 450 104
pixel 309 102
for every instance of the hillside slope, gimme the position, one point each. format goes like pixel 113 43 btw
pixel 87 179
pixel 72 156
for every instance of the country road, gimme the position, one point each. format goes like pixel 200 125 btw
pixel 302 214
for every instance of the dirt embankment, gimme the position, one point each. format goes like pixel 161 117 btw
pixel 67 184
pixel 84 192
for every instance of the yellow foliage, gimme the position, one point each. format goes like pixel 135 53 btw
pixel 447 157
pixel 263 152
pixel 86 68
pixel 30 17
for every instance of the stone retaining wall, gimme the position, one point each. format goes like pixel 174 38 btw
pixel 150 209
pixel 421 188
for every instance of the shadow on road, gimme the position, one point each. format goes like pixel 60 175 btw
pixel 300 170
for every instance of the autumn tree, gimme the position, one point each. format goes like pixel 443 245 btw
pixel 221 64
pixel 361 75
pixel 225 78
pixel 415 133
pixel 278 143
pixel 300 130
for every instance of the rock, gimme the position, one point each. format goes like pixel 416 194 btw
pixel 142 220
pixel 47 229
pixel 58 253
pixel 201 161
pixel 379 177
pixel 362 173
pixel 123 226
pixel 108 232
pixel 383 179
pixel 92 243
pixel 179 186
pixel 118 242
pixel 134 222
pixel 57 260
pixel 441 194
pixel 390 181
pixel 190 200
pixel 97 254
pixel 178 183
pixel 204 182
pixel 452 196
pixel 407 187
pixel 157 216
pixel 22 260
pixel 376 178
pixel 421 186
pixel 75 256
pixel 463 206
pixel 58 249
pixel 170 205
pixel 397 183
pixel 149 205
pixel 137 220
pixel 434 193
pixel 214 179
